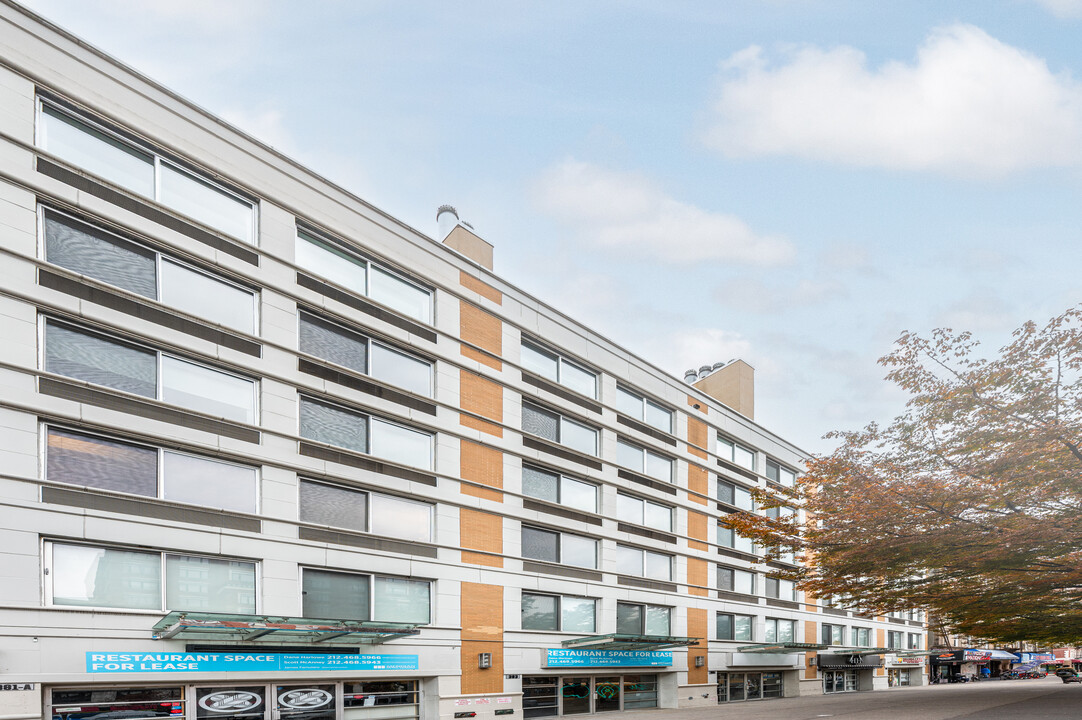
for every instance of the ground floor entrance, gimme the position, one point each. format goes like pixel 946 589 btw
pixel 734 687
pixel 836 681
pixel 348 700
pixel 900 677
pixel 552 695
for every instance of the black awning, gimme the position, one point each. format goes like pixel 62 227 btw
pixel 622 641
pixel 268 628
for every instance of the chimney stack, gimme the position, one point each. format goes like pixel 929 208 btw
pixel 732 384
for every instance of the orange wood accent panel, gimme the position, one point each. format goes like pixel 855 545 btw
pixel 697 628
pixel 698 577
pixel 479 530
pixel 483 289
pixel 482 631
pixel 698 483
pixel 484 465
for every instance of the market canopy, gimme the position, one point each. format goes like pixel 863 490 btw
pixel 623 641
pixel 249 628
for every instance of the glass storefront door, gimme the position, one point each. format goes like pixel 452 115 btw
pixel 733 687
pixel 606 694
pixel 575 694
pixel 550 696
pixel 836 681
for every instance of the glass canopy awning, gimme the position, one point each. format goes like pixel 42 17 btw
pixel 621 641
pixel 781 647
pixel 249 628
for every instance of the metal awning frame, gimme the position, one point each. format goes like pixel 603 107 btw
pixel 252 628
pixel 623 641
pixel 777 648
pixel 863 651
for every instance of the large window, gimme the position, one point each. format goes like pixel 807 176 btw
pixel 736 580
pixel 566 613
pixel 780 589
pixel 334 262
pixel 643 563
pixel 92 576
pixel 560 489
pixel 727 537
pixel 559 429
pixel 98 149
pixel 643 512
pixel 103 360
pixel 369 434
pixel 734 627
pixel 105 256
pixel 644 461
pixel 833 634
pixel 634 405
pixel 638 619
pixel 776 472
pixel 355 596
pixel 861 637
pixel 559 547
pixel 334 343
pixel 914 641
pixel 379 514
pixel 780 631
pixel 895 639
pixel 736 453
pixel 557 368
pixel 86 460
pixel 735 495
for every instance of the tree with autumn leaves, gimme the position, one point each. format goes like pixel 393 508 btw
pixel 969 504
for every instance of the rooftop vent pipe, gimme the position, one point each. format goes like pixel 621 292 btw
pixel 446 220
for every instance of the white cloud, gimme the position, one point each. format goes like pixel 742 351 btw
pixel 755 295
pixel 980 310
pixel 968 105
pixel 1062 8
pixel 628 213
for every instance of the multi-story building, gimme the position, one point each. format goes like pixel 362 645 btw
pixel 271 453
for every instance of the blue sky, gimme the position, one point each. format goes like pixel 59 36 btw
pixel 793 182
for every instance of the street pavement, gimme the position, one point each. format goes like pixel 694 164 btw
pixel 1045 699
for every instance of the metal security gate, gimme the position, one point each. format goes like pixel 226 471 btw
pixel 348 700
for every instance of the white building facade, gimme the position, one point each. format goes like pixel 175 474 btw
pixel 271 453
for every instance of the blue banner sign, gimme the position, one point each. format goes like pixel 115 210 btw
pixel 608 658
pixel 165 662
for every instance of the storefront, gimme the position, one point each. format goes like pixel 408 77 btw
pixel 904 671
pixel 332 700
pixel 999 662
pixel 738 686
pixel 762 672
pixel 949 666
pixel 600 673
pixel 555 695
pixel 295 678
pixel 848 672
